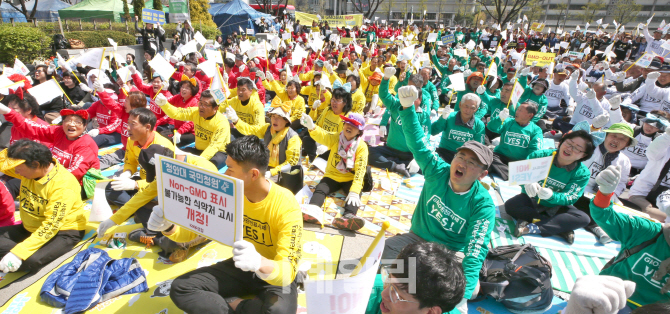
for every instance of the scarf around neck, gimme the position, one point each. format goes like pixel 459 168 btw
pixel 347 150
pixel 273 146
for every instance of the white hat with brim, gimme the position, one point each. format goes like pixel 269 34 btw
pixel 280 112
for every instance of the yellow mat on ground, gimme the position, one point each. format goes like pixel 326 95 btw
pixel 319 249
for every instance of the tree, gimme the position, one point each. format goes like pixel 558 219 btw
pixel 29 14
pixel 625 11
pixel 535 10
pixel 138 5
pixel 265 5
pixel 366 7
pixel 503 11
pixel 158 5
pixel 464 11
pixel 562 9
pixel 200 13
pixel 388 7
pixel 126 11
pixel 590 10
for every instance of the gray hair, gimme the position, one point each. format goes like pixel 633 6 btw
pixel 531 108
pixel 472 96
pixel 417 79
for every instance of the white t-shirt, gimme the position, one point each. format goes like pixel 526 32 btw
pixel 638 154
pixel 557 92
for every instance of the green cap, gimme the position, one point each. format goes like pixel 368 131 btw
pixel 625 129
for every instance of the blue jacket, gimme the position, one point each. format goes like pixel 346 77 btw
pixel 92 277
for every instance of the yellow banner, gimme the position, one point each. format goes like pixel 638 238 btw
pixel 538 27
pixel 333 20
pixel 542 58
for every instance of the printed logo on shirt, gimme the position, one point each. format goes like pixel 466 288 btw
pixel 648 98
pixel 246 117
pixel 554 94
pixel 646 266
pixel 330 126
pixel 459 136
pixel 554 184
pixel 640 149
pixel 595 169
pixel 32 203
pixel 665 106
pixel 203 133
pixel 477 237
pixel 586 111
pixel 257 231
pixel 445 216
pixel 517 140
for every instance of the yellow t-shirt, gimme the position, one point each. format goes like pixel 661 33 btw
pixel 358 101
pixel 292 149
pixel 48 205
pixel 297 107
pixel 253 113
pixel 211 135
pixel 330 122
pixel 312 96
pixel 332 140
pixel 130 162
pixel 274 227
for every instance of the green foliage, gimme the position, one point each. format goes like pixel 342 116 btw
pixel 126 10
pixel 200 12
pixel 210 32
pixel 158 5
pixel 24 42
pixel 99 38
pixel 138 5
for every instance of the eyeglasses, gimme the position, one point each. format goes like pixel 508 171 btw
pixel 73 122
pixel 569 144
pixel 394 295
pixel 469 163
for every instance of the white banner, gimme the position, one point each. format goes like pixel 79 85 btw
pixel 46 91
pixel 160 65
pixel 528 171
pixel 199 38
pixel 207 203
pixel 91 58
pixel 457 82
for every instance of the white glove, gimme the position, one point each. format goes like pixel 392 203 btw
pixel 307 121
pixel 571 110
pixel 353 199
pixel 286 168
pixel 495 141
pixel 269 176
pixel 603 65
pixel 433 115
pixel 242 67
pixel 124 175
pixel 320 149
pixel 653 76
pixel 156 221
pixel 329 68
pixel 407 95
pixel 388 72
pixel 125 184
pixel 615 102
pixel 245 256
pixel 269 77
pixel 173 60
pixel 462 306
pixel 525 71
pixel 467 73
pixel 574 75
pixel 599 294
pixel 231 115
pixel 165 85
pixel 608 179
pixel 93 133
pixel 432 52
pixel 260 75
pixel 5 110
pixel 504 114
pixel 176 138
pixel 181 64
pixel 413 167
pixel 10 263
pixel 316 104
pixel 545 193
pixel 600 121
pixel 446 112
pixel 345 60
pixel 132 69
pixel 54 121
pixel 591 94
pixel 382 130
pixel 481 89
pixel 198 55
pixel 449 94
pixel 534 64
pixel 102 228
pixel 273 60
pixel 620 76
pixel 161 100
pixel 582 87
pixel 98 86
pixel 532 189
pixel 356 67
pixel 85 87
pixel 296 78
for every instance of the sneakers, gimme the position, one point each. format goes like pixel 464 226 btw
pixel 401 169
pixel 349 222
pixel 181 253
pixel 568 236
pixel 307 216
pixel 139 235
pixel 521 228
pixel 602 235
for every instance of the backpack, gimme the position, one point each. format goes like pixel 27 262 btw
pixel 518 277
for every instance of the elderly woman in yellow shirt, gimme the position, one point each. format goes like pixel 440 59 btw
pixel 273 85
pixel 357 96
pixel 289 94
pixel 318 95
pixel 329 120
pixel 346 168
pixel 283 143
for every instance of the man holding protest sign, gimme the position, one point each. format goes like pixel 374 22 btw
pixel 264 263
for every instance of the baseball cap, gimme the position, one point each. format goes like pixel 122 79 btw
pixel 355 119
pixel 8 163
pixel 147 159
pixel 655 64
pixel 484 154
pixel 664 69
pixel 625 129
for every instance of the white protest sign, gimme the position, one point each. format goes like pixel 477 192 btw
pixel 5 84
pixel 492 70
pixel 191 46
pixel 250 31
pixel 347 295
pixel 63 63
pixel 645 60
pixel 91 58
pixel 666 44
pixel 199 38
pixel 46 91
pixel 470 45
pixel 244 46
pixel 123 73
pixel 285 36
pixel 219 87
pixel 209 67
pixel 160 65
pixel 214 55
pixel 529 170
pixel 457 82
pixel 432 37
pixel 208 203
pixel 516 93
pixel 113 43
pixel 461 53
pixel 564 44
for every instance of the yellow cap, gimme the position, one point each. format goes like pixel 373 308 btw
pixel 7 163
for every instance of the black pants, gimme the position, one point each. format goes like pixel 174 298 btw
pixel 327 186
pixel 563 126
pixel 309 147
pixel 500 166
pixel 490 136
pixel 219 159
pixel 104 140
pixel 385 157
pixel 204 291
pixel 60 244
pixel 583 204
pixel 568 218
pixel 445 154
pixel 185 139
